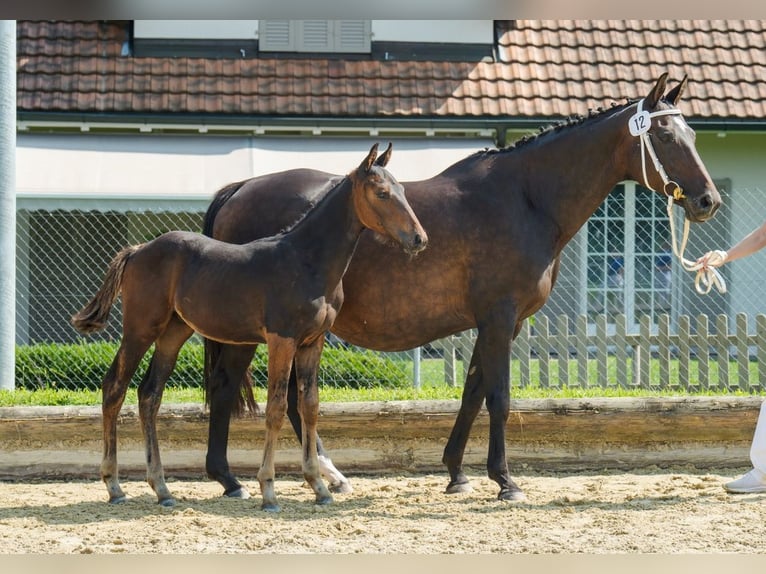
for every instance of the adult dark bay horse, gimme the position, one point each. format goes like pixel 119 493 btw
pixel 498 221
pixel 284 291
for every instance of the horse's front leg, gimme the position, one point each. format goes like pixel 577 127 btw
pixel 230 368
pixel 306 367
pixel 470 405
pixel 281 354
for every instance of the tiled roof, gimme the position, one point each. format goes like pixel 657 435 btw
pixel 543 69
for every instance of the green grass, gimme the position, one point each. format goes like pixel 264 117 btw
pixel 433 387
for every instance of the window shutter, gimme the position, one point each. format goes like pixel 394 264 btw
pixel 315 36
pixel 352 35
pixel 276 36
pixel 343 36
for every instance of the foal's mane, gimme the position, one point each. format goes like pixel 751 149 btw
pixel 312 206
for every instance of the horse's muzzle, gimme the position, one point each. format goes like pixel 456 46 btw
pixel 416 244
pixel 702 207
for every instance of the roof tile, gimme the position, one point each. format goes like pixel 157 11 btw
pixel 544 68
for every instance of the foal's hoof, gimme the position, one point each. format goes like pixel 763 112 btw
pixel 240 493
pixel 323 500
pixel 122 499
pixel 512 495
pixel 167 502
pixel 270 507
pixel 459 488
pixel 340 488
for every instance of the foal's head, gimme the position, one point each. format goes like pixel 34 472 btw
pixel 381 205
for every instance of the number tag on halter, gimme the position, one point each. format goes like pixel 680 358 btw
pixel 639 123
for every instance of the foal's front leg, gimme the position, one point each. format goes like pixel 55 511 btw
pixel 281 354
pixel 306 367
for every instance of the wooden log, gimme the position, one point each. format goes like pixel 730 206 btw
pixel 552 434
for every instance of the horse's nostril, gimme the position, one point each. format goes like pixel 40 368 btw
pixel 705 202
pixel 418 239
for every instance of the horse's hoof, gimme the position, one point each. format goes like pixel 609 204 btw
pixel 323 500
pixel 459 488
pixel 241 493
pixel 270 507
pixel 118 499
pixel 167 502
pixel 341 488
pixel 512 495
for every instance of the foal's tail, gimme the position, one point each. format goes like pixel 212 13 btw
pixel 94 315
pixel 245 399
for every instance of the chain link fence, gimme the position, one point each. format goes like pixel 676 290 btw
pixel 618 265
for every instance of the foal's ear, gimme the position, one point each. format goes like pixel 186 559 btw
pixel 675 94
pixel 366 165
pixel 385 156
pixel 656 93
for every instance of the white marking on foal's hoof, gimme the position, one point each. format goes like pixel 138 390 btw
pixel 340 487
pixel 240 493
pixel 337 483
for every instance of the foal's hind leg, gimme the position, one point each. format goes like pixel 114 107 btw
pixel 150 396
pixel 337 482
pixel 306 366
pixel 113 389
pixel 231 366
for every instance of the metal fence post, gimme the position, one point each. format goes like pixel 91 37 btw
pixel 416 367
pixel 7 204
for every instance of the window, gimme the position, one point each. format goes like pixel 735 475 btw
pixel 629 264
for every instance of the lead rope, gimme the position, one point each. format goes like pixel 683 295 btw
pixel 707 276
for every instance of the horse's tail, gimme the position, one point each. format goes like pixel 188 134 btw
pixel 94 315
pixel 219 200
pixel 246 400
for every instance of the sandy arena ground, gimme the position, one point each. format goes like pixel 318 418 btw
pixel 656 511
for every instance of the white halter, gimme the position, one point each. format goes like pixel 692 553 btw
pixel 639 125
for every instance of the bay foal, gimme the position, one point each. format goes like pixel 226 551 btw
pixel 284 291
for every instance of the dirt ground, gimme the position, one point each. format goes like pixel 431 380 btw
pixel 655 511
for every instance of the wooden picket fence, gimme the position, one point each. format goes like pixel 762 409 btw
pixel 726 358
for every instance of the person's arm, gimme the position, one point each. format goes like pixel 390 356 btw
pixel 751 243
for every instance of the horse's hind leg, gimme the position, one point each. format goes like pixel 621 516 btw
pixel 150 396
pixel 113 389
pixel 231 366
pixel 306 366
pixel 337 481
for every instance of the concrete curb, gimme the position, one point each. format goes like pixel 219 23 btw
pixel 542 434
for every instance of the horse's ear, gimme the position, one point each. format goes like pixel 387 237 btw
pixel 675 94
pixel 383 159
pixel 366 165
pixel 656 93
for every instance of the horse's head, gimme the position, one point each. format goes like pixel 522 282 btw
pixel 666 159
pixel 381 205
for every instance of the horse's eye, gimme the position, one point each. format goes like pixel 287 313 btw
pixel 382 194
pixel 665 136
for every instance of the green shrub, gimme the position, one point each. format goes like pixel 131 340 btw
pixel 81 366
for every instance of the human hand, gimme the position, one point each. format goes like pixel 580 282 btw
pixel 714 258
